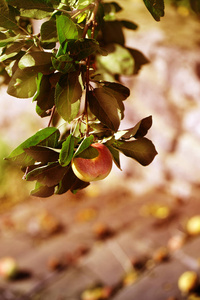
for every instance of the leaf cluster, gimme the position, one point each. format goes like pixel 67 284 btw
pixel 72 70
pixel 45 158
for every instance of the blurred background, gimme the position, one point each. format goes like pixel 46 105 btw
pixel 133 212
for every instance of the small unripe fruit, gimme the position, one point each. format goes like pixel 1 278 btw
pixel 8 267
pixel 96 168
pixel 188 281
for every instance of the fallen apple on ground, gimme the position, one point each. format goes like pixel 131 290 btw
pixel 96 168
pixel 188 281
pixel 8 267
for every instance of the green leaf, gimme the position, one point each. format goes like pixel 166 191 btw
pixel 13 50
pixel 139 130
pixel 22 84
pixel 49 175
pixel 9 40
pixel 156 8
pixel 105 107
pixel 67 151
pixel 119 97
pixel 66 29
pixel 86 142
pixel 120 91
pixel 67 181
pixel 38 61
pixel 70 182
pixel 89 153
pixel 48 31
pixel 112 33
pixel 78 185
pixel 83 3
pixel 139 59
pixel 37 14
pixel 42 154
pixel 8 15
pixel 118 61
pixel 63 63
pixel 41 112
pixel 31 4
pixel 68 93
pixel 82 48
pixel 110 9
pixel 42 191
pixel 45 93
pixel 115 154
pixel 142 150
pixel 46 137
pixel 129 25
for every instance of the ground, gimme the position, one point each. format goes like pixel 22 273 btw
pixel 133 247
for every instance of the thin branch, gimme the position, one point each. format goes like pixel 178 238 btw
pixel 51 116
pixel 91 21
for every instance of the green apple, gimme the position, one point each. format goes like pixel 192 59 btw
pixel 96 168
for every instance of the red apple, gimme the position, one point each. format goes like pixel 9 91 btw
pixel 95 168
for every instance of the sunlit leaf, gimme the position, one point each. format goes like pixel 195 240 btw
pixel 22 84
pixel 86 142
pixel 118 61
pixel 156 8
pixel 38 61
pixel 68 93
pixel 66 28
pixel 115 154
pixel 9 40
pixel 89 153
pixel 12 50
pixel 46 137
pixel 67 151
pixel 142 150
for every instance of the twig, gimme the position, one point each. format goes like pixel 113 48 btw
pixel 52 114
pixel 91 21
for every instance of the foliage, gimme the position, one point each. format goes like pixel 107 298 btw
pixel 72 69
